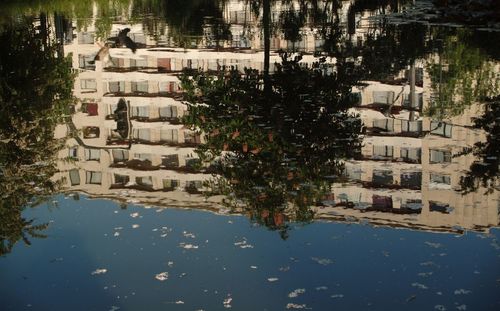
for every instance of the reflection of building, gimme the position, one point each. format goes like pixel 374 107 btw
pixel 406 174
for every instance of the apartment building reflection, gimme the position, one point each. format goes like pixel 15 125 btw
pixel 406 175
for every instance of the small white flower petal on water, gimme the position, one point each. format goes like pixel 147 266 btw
pixel 163 276
pixel 116 233
pixel 418 285
pixel 134 215
pixel 295 293
pixel 227 302
pixel 170 264
pixel 425 274
pixel 243 244
pixel 188 235
pixel 188 246
pixel 99 271
pixel 253 267
pixel 179 302
pixel 434 245
pixel 272 279
pixel 322 261
pixel 135 226
pixel 295 306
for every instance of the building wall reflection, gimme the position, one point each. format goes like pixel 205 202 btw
pixel 406 174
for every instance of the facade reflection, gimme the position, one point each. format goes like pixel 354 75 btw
pixel 405 176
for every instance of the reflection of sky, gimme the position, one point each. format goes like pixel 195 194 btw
pixel 325 265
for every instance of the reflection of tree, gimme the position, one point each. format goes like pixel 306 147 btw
pixel 273 148
pixel 185 19
pixel 461 75
pixel 486 171
pixel 392 49
pixel 81 11
pixel 35 93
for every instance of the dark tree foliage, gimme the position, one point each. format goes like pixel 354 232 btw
pixel 393 49
pixel 485 172
pixel 35 94
pixel 276 150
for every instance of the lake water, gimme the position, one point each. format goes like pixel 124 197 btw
pixel 249 155
pixel 210 258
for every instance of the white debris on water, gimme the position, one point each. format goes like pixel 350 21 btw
pixel 272 279
pixel 322 261
pixel 188 246
pixel 99 271
pixel 116 233
pixel 434 245
pixel 418 285
pixel 188 234
pixel 243 244
pixel 135 226
pixel 163 276
pixel 425 274
pixel 134 215
pixel 227 302
pixel 295 306
pixel 295 293
pixel 321 288
pixel 253 267
pixel 462 291
pixel 337 296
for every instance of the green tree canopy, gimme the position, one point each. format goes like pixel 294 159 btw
pixel 35 95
